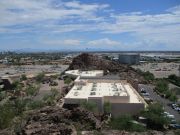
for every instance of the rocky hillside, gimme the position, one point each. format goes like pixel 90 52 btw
pixel 87 61
pixel 56 120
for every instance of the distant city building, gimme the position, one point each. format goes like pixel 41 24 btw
pixel 130 59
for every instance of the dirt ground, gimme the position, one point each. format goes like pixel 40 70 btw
pixel 45 89
pixel 160 70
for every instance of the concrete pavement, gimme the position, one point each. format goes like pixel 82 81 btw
pixel 155 97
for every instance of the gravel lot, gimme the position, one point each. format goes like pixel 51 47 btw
pixel 45 89
pixel 32 69
pixel 160 70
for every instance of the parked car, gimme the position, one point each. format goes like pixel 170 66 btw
pixel 145 94
pixel 166 113
pixel 170 116
pixel 174 105
pixel 174 126
pixel 143 90
pixel 173 121
pixel 177 108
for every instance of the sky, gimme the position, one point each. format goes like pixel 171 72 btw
pixel 108 25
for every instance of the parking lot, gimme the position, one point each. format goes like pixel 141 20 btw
pixel 159 70
pixel 32 69
pixel 156 98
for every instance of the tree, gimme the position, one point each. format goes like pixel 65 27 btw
pixel 174 79
pixel 23 77
pixel 162 85
pixel 107 107
pixel 68 80
pixel 6 115
pixel 17 85
pixel 19 106
pixel 121 123
pixel 54 92
pixel 49 99
pixel 148 76
pixel 2 95
pixel 91 106
pixel 35 104
pixel 155 116
pixel 40 77
pixel 125 122
pixel 173 97
pixel 32 90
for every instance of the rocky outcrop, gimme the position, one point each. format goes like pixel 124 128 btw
pixel 56 120
pixel 87 61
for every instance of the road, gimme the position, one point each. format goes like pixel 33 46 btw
pixel 155 97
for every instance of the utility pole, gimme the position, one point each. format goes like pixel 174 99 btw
pixel 179 70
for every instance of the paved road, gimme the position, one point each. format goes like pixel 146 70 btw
pixel 165 102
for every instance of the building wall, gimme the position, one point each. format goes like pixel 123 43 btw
pixel 116 99
pixel 98 101
pixel 129 59
pixel 74 100
pixel 126 108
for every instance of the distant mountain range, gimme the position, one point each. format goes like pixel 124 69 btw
pixel 29 50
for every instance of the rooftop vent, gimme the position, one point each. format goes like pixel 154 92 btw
pixel 116 94
pixel 76 93
pixel 93 93
pixel 93 89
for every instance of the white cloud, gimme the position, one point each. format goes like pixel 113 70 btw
pixel 45 16
pixel 71 42
pixel 61 42
pixel 30 11
pixel 104 41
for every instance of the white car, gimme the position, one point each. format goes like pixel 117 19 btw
pixel 166 113
pixel 170 116
pixel 145 94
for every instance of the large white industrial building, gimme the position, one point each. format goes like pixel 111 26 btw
pixel 121 95
pixel 76 73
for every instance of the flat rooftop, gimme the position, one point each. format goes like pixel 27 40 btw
pixel 101 89
pixel 91 73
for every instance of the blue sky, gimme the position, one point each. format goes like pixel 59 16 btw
pixel 124 25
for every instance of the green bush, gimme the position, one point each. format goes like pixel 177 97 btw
pixel 173 97
pixel 49 99
pixel 2 95
pixel 174 79
pixel 124 122
pixel 147 75
pixel 162 85
pixel 40 77
pixel 32 90
pixel 107 107
pixel 23 77
pixel 155 116
pixel 68 80
pixel 35 104
pixel 91 106
pixel 7 113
